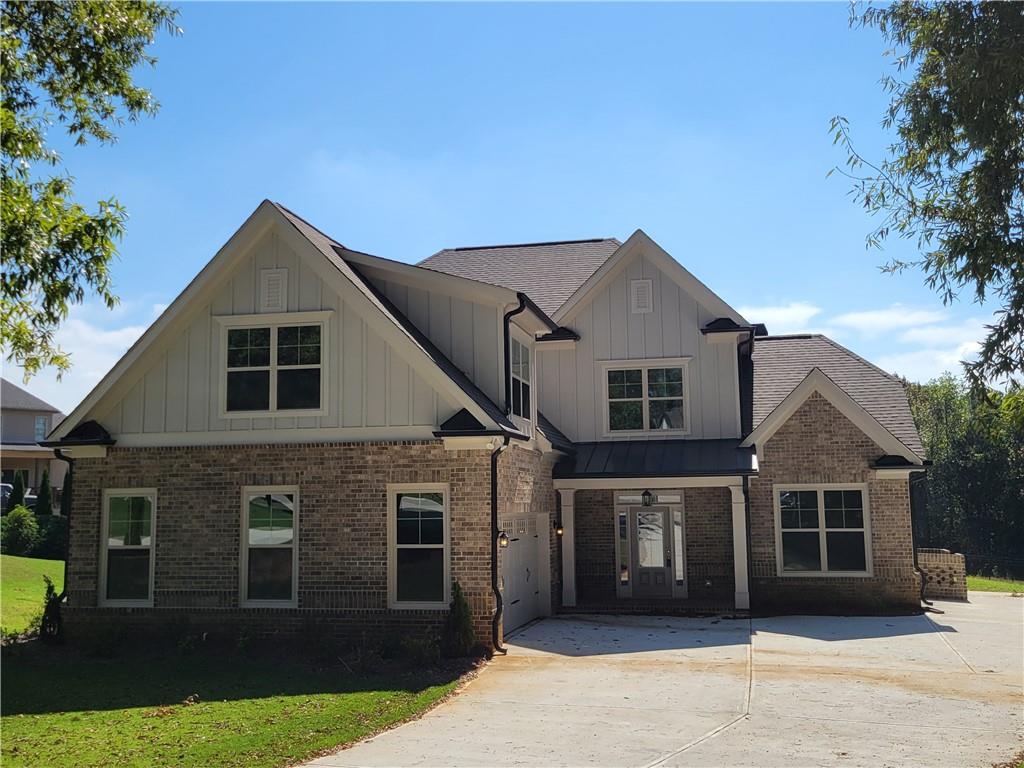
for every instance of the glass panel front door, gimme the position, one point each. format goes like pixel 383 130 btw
pixel 652 551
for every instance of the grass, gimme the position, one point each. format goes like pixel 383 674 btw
pixel 22 589
pixel 61 708
pixel 990 584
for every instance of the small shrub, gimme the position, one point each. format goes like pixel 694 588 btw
pixel 459 638
pixel 421 651
pixel 20 532
pixel 44 500
pixel 52 543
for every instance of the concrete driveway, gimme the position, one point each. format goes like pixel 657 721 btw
pixel 938 690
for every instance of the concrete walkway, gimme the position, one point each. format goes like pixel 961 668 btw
pixel 938 690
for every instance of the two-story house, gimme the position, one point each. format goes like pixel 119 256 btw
pixel 310 433
pixel 25 420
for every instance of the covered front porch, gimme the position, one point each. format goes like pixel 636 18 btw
pixel 654 545
pixel 662 528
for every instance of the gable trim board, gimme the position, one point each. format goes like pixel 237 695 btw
pixel 640 243
pixel 344 279
pixel 818 381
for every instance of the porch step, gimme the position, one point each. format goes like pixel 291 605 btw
pixel 660 608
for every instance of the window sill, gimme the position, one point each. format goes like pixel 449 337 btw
pixel 269 604
pixel 825 574
pixel 645 433
pixel 394 605
pixel 125 603
pixel 273 414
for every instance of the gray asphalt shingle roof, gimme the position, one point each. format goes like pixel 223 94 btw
pixel 782 362
pixel 549 273
pixel 14 398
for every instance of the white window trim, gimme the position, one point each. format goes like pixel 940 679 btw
pixel 102 600
pixel 274 321
pixel 243 538
pixel 523 422
pixel 645 365
pixel 778 488
pixel 393 490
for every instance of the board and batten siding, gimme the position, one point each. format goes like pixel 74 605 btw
pixel 369 384
pixel 571 380
pixel 469 333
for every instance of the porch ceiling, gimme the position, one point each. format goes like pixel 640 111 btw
pixel 657 458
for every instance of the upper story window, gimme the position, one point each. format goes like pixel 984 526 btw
pixel 274 365
pixel 42 427
pixel 647 398
pixel 520 354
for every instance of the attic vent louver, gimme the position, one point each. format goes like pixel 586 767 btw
pixel 273 290
pixel 641 297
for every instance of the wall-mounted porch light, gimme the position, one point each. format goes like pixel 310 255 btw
pixel 503 540
pixel 647 498
pixel 559 528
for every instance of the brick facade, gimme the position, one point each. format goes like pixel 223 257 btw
pixel 818 444
pixel 342 534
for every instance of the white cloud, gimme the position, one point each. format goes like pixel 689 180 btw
pixel 793 317
pixel 96 339
pixel 927 364
pixel 873 322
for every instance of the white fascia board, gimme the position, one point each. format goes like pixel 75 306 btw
pixel 203 286
pixel 818 381
pixel 554 346
pixel 641 243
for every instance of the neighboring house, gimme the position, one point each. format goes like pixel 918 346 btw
pixel 25 420
pixel 310 435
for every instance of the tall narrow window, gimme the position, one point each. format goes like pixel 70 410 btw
pixel 126 576
pixel 277 368
pixel 270 518
pixel 520 355
pixel 419 536
pixel 41 427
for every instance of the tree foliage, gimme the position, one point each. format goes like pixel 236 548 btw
pixel 20 532
pixel 69 63
pixel 953 180
pixel 17 497
pixel 44 497
pixel 976 483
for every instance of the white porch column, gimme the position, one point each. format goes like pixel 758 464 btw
pixel 568 547
pixel 739 547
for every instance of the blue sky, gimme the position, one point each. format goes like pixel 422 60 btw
pixel 401 129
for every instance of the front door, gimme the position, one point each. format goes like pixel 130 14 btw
pixel 652 551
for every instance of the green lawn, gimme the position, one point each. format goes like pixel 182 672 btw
pixel 989 584
pixel 22 588
pixel 64 709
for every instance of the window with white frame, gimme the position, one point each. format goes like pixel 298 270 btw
pixel 647 398
pixel 126 565
pixel 520 361
pixel 274 367
pixel 418 535
pixel 823 529
pixel 269 538
pixel 42 427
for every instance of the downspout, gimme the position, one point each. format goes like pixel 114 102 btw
pixel 750 551
pixel 916 477
pixel 499 602
pixel 508 352
pixel 65 510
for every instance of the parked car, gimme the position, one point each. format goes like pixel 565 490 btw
pixel 5 494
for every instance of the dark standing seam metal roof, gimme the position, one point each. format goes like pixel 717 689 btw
pixel 554 435
pixel 333 251
pixel 549 273
pixel 782 362
pixel 14 398
pixel 657 458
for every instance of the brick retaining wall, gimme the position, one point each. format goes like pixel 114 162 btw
pixel 947 575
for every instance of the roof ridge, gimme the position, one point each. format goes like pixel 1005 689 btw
pixel 538 244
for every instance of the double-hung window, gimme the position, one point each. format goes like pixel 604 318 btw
pixel 520 365
pixel 127 562
pixel 274 364
pixel 418 538
pixel 42 427
pixel 647 398
pixel 823 530
pixel 269 535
